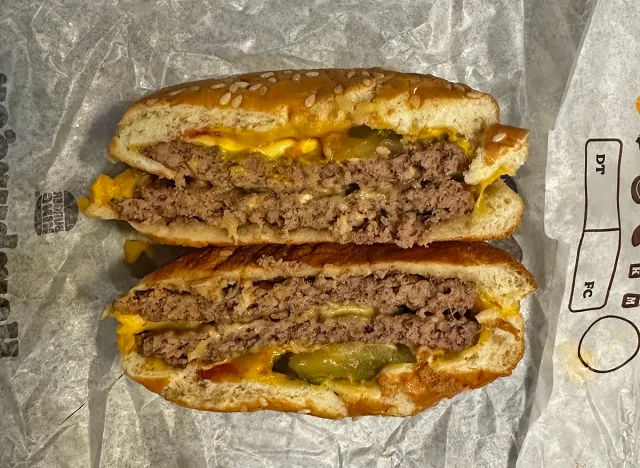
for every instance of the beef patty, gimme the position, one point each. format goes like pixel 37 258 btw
pixel 292 297
pixel 365 215
pixel 251 316
pixel 435 332
pixel 420 161
pixel 379 199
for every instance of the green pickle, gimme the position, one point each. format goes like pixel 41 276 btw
pixel 355 362
pixel 362 142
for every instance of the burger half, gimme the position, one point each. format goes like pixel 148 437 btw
pixel 301 156
pixel 331 330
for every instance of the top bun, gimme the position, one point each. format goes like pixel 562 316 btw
pixel 267 106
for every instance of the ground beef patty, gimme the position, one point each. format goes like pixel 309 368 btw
pixel 366 215
pixel 434 332
pixel 421 161
pixel 292 297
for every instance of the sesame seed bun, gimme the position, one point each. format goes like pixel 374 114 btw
pixel 309 103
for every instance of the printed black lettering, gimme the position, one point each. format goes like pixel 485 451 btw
pixel 630 300
pixel 8 242
pixel 46 197
pixel 9 346
pixel 4 273
pixel 600 161
pixel 3 266
pixel 5 309
pixel 4 176
pixel 9 330
pixel 588 292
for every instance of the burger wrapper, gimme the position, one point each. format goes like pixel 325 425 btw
pixel 566 69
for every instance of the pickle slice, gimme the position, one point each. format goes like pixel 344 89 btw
pixel 360 143
pixel 351 361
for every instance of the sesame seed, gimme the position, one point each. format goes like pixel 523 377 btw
pixel 474 95
pixel 224 99
pixel 263 91
pixel 378 74
pixel 152 101
pixel 415 101
pixel 311 99
pixel 366 81
pixel 338 89
pixel 217 86
pixel 312 73
pixel 233 88
pixel 498 137
pixel 176 92
pixel 287 72
pixel 266 75
pixel 236 101
pixel 296 77
pixel 383 151
pixel 225 253
pixel 447 85
pixel 304 411
pixel 194 88
pixel 350 74
pixel 242 84
pixel 253 87
pixel 365 73
pixel 458 87
pixel 272 80
pixel 263 402
pixel 244 408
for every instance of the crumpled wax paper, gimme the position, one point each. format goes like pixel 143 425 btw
pixel 68 70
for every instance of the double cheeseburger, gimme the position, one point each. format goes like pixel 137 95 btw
pixel 293 157
pixel 328 329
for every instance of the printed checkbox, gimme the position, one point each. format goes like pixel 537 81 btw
pixel 630 300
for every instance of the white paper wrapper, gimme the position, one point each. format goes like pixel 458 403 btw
pixel 73 67
pixel 588 388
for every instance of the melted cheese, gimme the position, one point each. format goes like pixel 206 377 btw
pixel 437 133
pixel 286 147
pixel 133 324
pixel 347 309
pixel 134 248
pixel 484 301
pixel 479 207
pixel 105 189
pixel 255 367
pixel 313 148
pixel 155 364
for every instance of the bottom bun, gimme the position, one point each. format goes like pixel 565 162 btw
pixel 399 390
